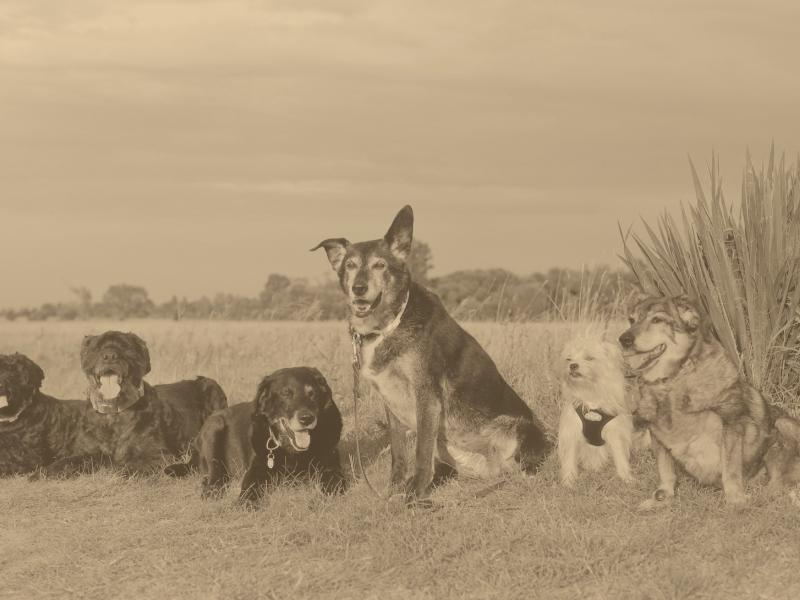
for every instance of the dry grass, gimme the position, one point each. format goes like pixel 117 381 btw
pixel 103 536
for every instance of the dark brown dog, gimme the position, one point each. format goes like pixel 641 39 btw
pixel 133 425
pixel 291 429
pixel 435 379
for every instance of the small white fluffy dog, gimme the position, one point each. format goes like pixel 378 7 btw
pixel 595 418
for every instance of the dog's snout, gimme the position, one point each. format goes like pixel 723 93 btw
pixel 306 418
pixel 359 289
pixel 626 339
pixel 573 367
pixel 109 355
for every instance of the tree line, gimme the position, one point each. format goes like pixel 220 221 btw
pixel 476 294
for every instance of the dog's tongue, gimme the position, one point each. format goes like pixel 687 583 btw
pixel 3 401
pixel 302 439
pixel 109 386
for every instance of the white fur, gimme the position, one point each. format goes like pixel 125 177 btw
pixel 601 386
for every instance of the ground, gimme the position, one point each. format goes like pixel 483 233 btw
pixel 104 536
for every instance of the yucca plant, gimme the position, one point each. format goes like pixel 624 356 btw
pixel 741 264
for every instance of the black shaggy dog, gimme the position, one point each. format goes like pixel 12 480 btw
pixel 133 424
pixel 35 429
pixel 290 430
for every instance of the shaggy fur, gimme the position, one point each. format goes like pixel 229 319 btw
pixel 702 415
pixel 293 418
pixel 434 378
pixel 140 423
pixel 593 386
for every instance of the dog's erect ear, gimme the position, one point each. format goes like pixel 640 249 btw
pixel 687 312
pixel 322 384
pixel 401 233
pixel 31 374
pixel 336 249
pixel 142 353
pixel 88 348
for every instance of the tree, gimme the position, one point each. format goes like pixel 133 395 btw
pixel 275 285
pixel 125 301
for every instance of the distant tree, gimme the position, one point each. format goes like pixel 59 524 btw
pixel 275 285
pixel 125 301
pixel 83 297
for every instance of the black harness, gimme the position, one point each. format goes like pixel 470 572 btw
pixel 593 421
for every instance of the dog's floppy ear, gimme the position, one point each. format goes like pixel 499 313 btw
pixel 262 396
pixel 31 374
pixel 322 383
pixel 335 248
pixel 401 233
pixel 88 348
pixel 687 312
pixel 142 353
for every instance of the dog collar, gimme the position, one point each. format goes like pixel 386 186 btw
pixel 114 406
pixel 593 421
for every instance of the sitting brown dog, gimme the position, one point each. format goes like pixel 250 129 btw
pixel 291 429
pixel 133 424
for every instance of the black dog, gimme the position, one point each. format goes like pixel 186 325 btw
pixel 291 429
pixel 35 429
pixel 133 424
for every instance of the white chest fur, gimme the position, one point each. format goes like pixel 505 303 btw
pixel 393 382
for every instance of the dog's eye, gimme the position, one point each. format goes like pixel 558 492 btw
pixel 379 265
pixel 656 320
pixel 588 358
pixel 286 393
pixel 631 320
pixel 350 264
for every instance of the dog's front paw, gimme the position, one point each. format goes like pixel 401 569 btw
pixel 417 490
pixel 569 480
pixel 38 474
pixel 660 499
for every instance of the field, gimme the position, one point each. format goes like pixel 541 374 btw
pixel 103 536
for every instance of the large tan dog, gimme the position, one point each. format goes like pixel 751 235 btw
pixel 701 414
pixel 435 379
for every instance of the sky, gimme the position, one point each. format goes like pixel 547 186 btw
pixel 195 146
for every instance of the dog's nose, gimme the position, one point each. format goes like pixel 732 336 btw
pixel 306 418
pixel 573 367
pixel 359 289
pixel 626 339
pixel 109 355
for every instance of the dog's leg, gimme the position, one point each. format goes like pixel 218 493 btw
pixel 254 482
pixel 397 441
pixel 214 461
pixel 72 466
pixel 568 459
pixel 732 476
pixel 428 411
pixel 666 478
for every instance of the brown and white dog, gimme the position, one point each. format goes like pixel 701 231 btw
pixel 701 413
pixel 434 378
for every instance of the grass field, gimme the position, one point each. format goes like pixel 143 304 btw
pixel 103 536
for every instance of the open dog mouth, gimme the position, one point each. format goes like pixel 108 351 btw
pixel 109 383
pixel 641 361
pixel 362 308
pixel 299 439
pixel 4 401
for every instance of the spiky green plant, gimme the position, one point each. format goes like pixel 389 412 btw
pixel 741 264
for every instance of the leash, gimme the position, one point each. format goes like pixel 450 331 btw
pixel 357 343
